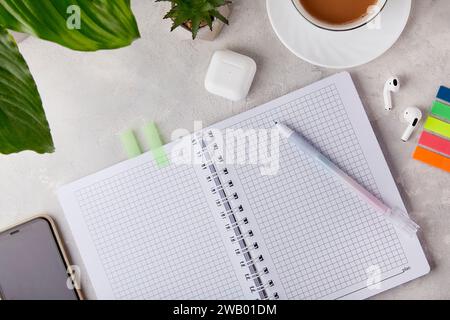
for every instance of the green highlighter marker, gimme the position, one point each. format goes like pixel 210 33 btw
pixel 156 146
pixel 130 143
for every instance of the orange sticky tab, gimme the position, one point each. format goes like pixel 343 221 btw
pixel 432 158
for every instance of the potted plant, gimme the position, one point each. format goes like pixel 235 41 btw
pixel 202 19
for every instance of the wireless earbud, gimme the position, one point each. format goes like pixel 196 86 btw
pixel 392 85
pixel 412 116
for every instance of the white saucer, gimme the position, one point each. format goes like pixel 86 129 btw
pixel 337 49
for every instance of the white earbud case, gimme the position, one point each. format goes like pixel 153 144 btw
pixel 230 75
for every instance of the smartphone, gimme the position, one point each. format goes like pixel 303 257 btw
pixel 34 265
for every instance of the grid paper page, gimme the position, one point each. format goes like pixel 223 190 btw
pixel 321 236
pixel 154 235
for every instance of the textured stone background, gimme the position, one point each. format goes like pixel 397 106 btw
pixel 89 97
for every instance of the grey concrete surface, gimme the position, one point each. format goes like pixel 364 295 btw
pixel 90 97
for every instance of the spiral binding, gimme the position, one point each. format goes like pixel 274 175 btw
pixel 235 221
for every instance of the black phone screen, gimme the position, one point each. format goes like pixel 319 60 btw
pixel 31 264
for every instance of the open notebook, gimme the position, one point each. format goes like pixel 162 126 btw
pixel 217 230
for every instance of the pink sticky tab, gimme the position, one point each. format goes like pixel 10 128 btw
pixel 436 143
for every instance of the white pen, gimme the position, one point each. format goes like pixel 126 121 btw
pixel 394 215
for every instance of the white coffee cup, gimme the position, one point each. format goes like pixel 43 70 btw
pixel 371 14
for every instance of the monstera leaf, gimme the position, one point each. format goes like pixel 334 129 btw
pixel 85 25
pixel 23 125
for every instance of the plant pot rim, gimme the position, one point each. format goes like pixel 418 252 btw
pixel 190 29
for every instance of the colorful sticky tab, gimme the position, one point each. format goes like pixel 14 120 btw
pixel 130 143
pixel 444 94
pixel 438 127
pixel 441 110
pixel 436 143
pixel 432 158
pixel 156 146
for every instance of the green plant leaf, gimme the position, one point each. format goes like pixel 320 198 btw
pixel 104 24
pixel 23 125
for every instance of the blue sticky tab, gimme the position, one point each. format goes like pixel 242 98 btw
pixel 444 94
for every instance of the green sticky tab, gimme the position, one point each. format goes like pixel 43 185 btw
pixel 437 126
pixel 156 146
pixel 441 110
pixel 130 143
